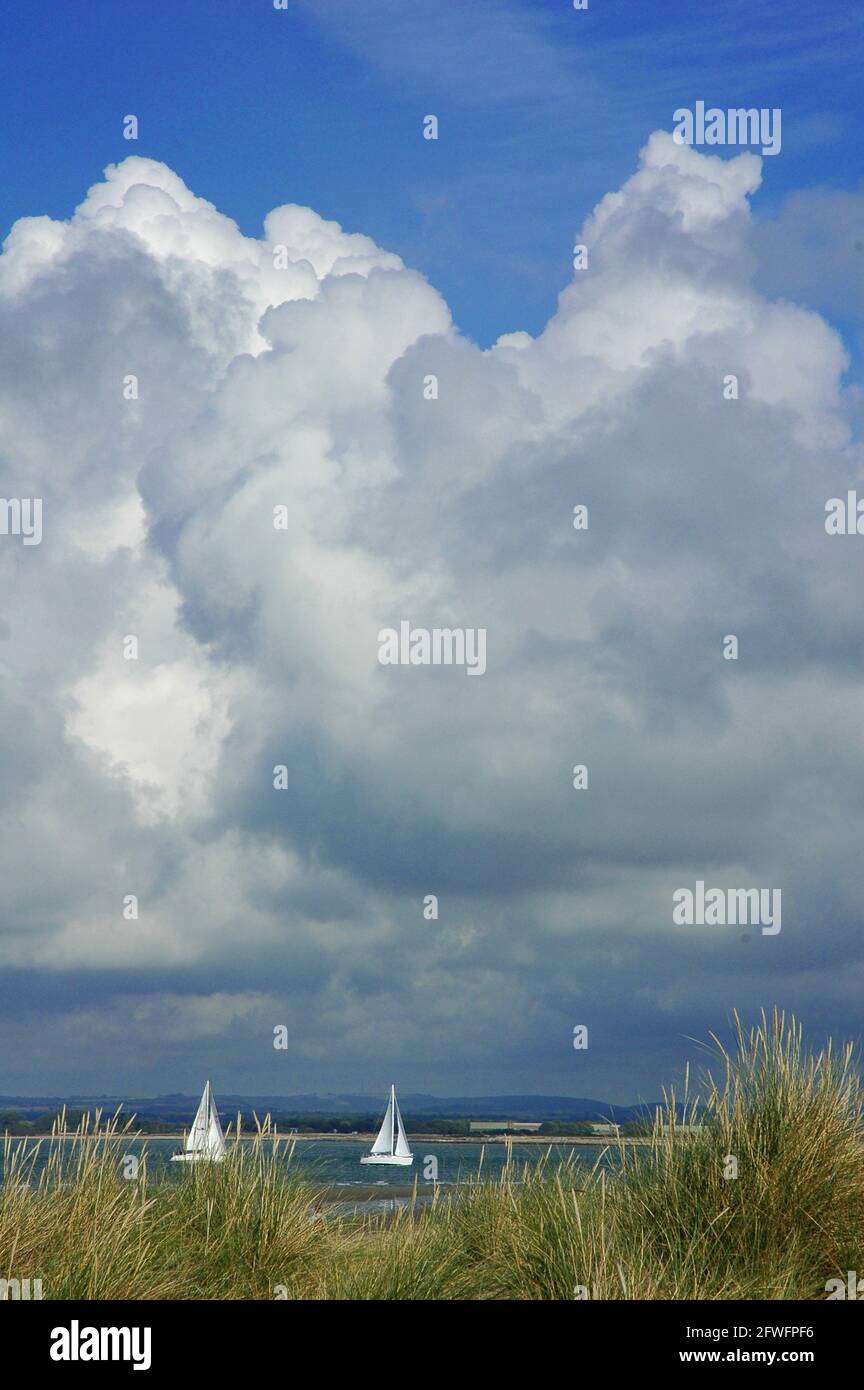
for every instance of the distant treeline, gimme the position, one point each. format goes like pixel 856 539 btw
pixel 328 1123
pixel 19 1122
pixel 22 1123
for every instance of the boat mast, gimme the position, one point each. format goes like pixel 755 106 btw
pixel 392 1119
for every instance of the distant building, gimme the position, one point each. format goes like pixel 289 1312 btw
pixel 502 1126
pixel 603 1128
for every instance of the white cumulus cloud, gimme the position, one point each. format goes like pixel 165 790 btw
pixel 287 373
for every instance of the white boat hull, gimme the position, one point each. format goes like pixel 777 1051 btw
pixel 197 1158
pixel 393 1160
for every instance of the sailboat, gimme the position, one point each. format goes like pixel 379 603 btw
pixel 391 1146
pixel 205 1140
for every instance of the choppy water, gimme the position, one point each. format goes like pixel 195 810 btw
pixel 335 1163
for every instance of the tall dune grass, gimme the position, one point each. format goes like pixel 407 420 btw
pixel 669 1221
pixel 231 1230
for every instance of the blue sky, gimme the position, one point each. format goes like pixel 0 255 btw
pixel 541 109
pixel 300 387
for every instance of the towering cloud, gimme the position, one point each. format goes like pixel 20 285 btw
pixel 253 456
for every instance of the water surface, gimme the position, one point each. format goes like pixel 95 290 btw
pixel 335 1163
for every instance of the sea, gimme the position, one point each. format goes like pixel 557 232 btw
pixel 334 1165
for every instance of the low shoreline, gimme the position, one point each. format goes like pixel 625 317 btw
pixel 575 1140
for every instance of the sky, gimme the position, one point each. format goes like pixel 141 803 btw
pixel 281 263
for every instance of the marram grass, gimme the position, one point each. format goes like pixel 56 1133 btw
pixel 669 1221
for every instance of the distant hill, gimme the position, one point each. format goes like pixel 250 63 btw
pixel 516 1107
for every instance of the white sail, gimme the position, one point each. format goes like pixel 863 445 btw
pixel 205 1139
pixel 197 1136
pixel 401 1150
pixel 215 1143
pixel 384 1143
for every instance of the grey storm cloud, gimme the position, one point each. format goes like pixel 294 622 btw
pixel 289 373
